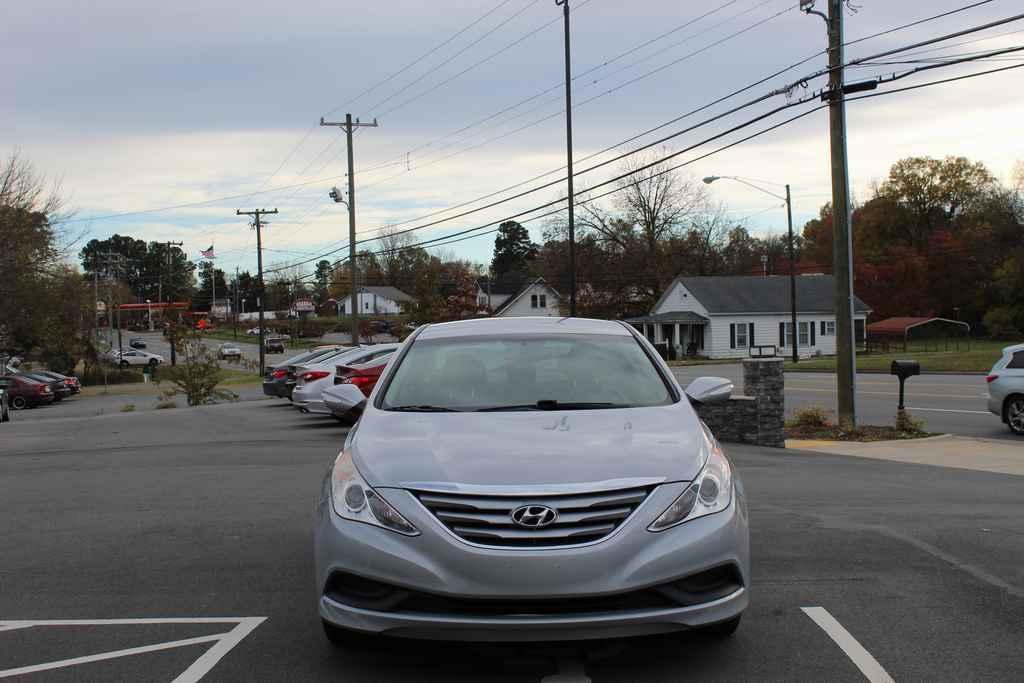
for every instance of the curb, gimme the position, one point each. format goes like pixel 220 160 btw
pixel 808 444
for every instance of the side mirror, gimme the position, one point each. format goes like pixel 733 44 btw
pixel 705 390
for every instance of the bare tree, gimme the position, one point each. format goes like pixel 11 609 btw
pixel 657 200
pixel 707 236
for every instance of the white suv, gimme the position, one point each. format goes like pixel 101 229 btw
pixel 1006 388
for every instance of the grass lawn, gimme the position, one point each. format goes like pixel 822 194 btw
pixel 228 335
pixel 979 359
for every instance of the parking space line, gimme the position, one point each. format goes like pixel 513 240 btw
pixel 223 642
pixel 113 654
pixel 867 664
pixel 950 410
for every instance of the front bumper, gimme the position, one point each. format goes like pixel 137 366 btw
pixel 440 564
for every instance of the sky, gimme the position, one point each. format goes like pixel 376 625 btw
pixel 159 120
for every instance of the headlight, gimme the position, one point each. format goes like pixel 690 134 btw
pixel 708 493
pixel 353 499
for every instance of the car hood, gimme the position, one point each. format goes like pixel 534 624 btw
pixel 540 451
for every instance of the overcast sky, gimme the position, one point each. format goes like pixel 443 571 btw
pixel 144 105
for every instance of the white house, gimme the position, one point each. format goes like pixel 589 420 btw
pixel 377 300
pixel 516 297
pixel 724 317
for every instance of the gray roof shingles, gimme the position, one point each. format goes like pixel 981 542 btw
pixel 752 294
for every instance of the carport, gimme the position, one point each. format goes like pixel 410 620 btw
pixel 918 333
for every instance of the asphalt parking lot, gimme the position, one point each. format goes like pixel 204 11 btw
pixel 176 545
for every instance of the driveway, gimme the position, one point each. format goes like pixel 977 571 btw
pixel 154 545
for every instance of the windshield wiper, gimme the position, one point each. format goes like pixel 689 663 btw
pixel 551 404
pixel 423 409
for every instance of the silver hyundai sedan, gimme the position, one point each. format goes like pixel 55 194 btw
pixel 531 479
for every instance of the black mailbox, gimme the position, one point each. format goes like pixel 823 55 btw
pixel 904 369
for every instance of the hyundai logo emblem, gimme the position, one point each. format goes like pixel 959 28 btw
pixel 534 516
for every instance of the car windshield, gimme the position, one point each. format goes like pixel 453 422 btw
pixel 526 373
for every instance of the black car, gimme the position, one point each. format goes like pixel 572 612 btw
pixel 70 381
pixel 137 343
pixel 58 388
pixel 276 380
pixel 25 392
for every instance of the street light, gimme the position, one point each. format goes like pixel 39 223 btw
pixel 792 258
pixel 149 313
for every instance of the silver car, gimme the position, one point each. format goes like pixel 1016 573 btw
pixel 531 479
pixel 1006 388
pixel 312 379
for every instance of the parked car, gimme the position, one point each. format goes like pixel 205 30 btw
pixel 137 343
pixel 531 478
pixel 135 357
pixel 1006 388
pixel 25 392
pixel 70 381
pixel 253 331
pixel 273 345
pixel 380 326
pixel 352 386
pixel 229 350
pixel 276 379
pixel 294 368
pixel 57 386
pixel 312 379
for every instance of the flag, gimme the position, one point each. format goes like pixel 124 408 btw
pixel 207 253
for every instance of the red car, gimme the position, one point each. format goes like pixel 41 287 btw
pixel 25 392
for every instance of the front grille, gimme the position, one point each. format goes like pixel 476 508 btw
pixel 581 518
pixel 703 587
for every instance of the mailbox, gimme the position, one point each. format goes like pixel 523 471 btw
pixel 904 369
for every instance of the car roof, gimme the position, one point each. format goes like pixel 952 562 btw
pixel 1013 349
pixel 525 325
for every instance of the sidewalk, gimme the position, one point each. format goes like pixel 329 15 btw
pixel 961 452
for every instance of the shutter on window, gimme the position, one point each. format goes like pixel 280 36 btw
pixel 822 328
pixel 732 335
pixel 782 335
pixel 811 325
pixel 750 334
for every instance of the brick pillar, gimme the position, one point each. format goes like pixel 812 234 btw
pixel 763 379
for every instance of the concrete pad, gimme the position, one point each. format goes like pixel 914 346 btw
pixel 960 452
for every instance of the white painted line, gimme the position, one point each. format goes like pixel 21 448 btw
pixel 202 666
pixel 59 664
pixel 223 642
pixel 950 410
pixel 867 664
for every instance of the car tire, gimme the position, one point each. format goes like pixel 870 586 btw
pixel 722 629
pixel 18 402
pixel 124 365
pixel 1013 413
pixel 153 362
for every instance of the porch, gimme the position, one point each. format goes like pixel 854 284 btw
pixel 677 334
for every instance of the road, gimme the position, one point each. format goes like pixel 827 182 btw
pixel 950 404
pixel 197 522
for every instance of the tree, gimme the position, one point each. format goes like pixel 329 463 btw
pixel 203 300
pixel 514 252
pixel 321 282
pixel 197 375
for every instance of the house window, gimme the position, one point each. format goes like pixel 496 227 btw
pixel 533 301
pixel 741 336
pixel 543 300
pixel 828 328
pixel 805 334
pixel 366 306
pixel 786 335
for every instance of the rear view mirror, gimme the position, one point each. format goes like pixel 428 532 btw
pixel 705 390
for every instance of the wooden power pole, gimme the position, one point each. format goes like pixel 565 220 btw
pixel 256 214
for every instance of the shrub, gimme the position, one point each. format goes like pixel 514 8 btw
pixel 197 375
pixel 907 424
pixel 811 417
pixel 128 408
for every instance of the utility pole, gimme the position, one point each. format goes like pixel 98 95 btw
pixel 842 240
pixel 568 153
pixel 235 311
pixel 259 279
pixel 167 258
pixel 792 277
pixel 349 125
